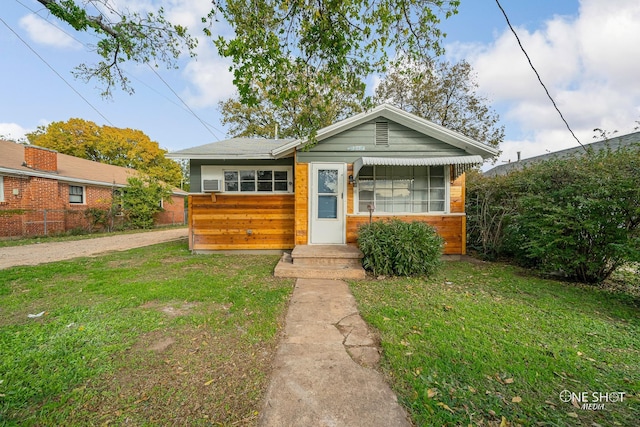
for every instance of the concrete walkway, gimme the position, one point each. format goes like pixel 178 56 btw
pixel 322 374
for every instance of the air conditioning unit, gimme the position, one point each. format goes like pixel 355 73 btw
pixel 211 185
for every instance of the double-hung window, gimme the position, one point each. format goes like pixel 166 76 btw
pixel 1 188
pixel 402 189
pixel 76 194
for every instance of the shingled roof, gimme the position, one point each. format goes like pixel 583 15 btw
pixel 69 168
pixel 234 148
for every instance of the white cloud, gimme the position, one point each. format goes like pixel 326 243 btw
pixel 211 81
pixel 588 63
pixel 46 33
pixel 207 76
pixel 13 131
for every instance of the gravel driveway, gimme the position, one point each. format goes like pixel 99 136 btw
pixel 41 253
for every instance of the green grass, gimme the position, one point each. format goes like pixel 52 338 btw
pixel 487 344
pixel 158 336
pixel 90 359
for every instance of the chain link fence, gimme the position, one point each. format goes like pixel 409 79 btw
pixel 15 223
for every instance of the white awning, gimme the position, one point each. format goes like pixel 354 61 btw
pixel 460 163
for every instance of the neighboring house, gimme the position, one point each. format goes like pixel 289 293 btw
pixel 257 194
pixel 610 143
pixel 42 188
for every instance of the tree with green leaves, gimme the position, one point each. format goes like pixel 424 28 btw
pixel 122 36
pixel 142 199
pixel 443 93
pixel 319 42
pixel 315 108
pixel 325 40
pixel 105 144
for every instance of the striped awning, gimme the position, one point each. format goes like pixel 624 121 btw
pixel 460 163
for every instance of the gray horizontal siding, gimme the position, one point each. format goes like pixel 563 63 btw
pixel 360 141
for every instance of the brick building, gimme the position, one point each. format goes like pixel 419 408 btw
pixel 46 192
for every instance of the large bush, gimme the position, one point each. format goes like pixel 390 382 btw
pixel 490 206
pixel 398 248
pixel 579 216
pixel 142 200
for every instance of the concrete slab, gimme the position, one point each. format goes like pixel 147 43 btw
pixel 335 262
pixel 315 381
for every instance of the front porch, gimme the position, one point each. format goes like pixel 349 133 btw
pixel 321 262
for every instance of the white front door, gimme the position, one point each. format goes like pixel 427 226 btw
pixel 327 200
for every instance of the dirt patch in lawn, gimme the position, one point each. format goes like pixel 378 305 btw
pixel 189 376
pixel 180 375
pixel 172 309
pixel 162 344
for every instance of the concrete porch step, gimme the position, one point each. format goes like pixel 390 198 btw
pixel 321 262
pixel 329 255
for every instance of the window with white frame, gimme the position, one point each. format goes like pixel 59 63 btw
pixel 265 180
pixel 1 188
pixel 76 194
pixel 402 189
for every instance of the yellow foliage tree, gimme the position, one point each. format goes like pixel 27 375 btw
pixel 106 144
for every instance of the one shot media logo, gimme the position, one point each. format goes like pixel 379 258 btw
pixel 591 401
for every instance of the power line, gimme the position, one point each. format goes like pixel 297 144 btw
pixel 184 103
pixel 206 125
pixel 56 73
pixel 538 75
pixel 170 100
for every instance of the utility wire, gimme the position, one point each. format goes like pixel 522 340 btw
pixel 54 70
pixel 169 99
pixel 184 103
pixel 207 126
pixel 186 106
pixel 538 75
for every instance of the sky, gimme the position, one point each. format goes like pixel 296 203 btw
pixel 585 51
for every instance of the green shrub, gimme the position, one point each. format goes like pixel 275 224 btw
pixel 398 248
pixel 579 216
pixel 141 200
pixel 490 207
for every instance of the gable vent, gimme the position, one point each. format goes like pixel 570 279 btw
pixel 211 185
pixel 382 133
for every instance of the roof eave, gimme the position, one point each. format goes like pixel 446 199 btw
pixel 402 117
pixel 285 149
pixel 449 136
pixel 221 157
pixel 61 178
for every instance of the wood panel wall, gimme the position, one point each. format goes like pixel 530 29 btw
pixel 302 203
pixel 281 221
pixel 457 193
pixel 247 222
pixel 350 188
pixel 450 227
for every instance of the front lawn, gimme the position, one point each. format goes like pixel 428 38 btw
pixel 152 336
pixel 158 336
pixel 491 345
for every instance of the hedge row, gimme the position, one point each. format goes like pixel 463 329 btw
pixel 579 216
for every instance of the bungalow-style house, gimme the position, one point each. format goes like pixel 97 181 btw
pixel 259 194
pixel 46 192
